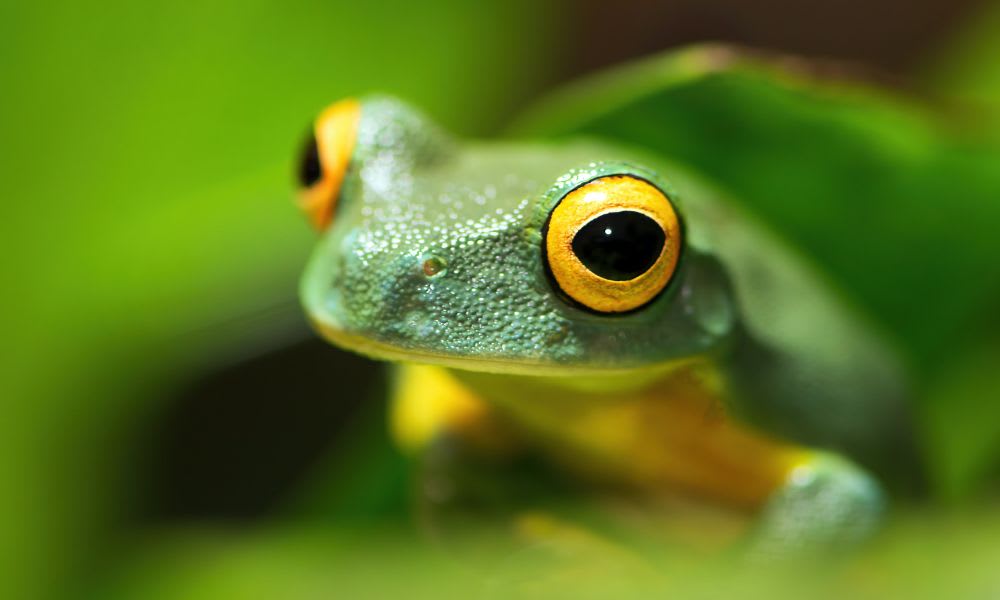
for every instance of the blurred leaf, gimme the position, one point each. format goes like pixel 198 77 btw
pixel 919 556
pixel 962 421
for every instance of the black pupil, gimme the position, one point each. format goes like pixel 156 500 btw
pixel 309 167
pixel 619 245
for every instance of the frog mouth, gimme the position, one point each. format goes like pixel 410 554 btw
pixel 384 351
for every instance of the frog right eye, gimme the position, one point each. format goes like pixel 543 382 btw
pixel 325 159
pixel 612 244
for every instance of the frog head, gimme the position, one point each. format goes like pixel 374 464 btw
pixel 528 258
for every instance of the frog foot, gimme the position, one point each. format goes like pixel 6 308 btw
pixel 826 504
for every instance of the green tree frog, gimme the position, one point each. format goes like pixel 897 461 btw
pixel 608 318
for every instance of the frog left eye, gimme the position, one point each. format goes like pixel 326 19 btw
pixel 325 159
pixel 612 245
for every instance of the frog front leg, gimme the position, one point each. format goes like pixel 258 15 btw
pixel 479 488
pixel 802 499
pixel 826 502
pixel 471 473
pixel 528 526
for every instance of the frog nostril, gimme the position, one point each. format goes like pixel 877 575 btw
pixel 433 266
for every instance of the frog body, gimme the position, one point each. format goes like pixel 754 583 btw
pixel 707 360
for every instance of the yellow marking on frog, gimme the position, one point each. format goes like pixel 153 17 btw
pixel 429 401
pixel 672 436
pixel 601 196
pixel 336 130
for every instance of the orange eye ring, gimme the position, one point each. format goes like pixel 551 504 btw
pixel 612 244
pixel 326 160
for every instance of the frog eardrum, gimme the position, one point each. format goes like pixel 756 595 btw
pixel 612 244
pixel 325 159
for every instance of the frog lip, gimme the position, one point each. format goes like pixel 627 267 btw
pixel 379 350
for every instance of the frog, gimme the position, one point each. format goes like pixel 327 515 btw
pixel 589 319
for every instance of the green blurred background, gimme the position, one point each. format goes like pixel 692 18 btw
pixel 159 382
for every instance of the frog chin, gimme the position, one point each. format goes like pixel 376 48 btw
pixel 385 351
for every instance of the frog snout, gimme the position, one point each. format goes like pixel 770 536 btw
pixel 377 294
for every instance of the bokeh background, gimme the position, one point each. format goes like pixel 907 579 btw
pixel 168 418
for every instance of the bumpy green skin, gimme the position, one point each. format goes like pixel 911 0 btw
pixel 801 363
pixel 480 208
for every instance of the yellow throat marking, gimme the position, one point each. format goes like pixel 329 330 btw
pixel 671 436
